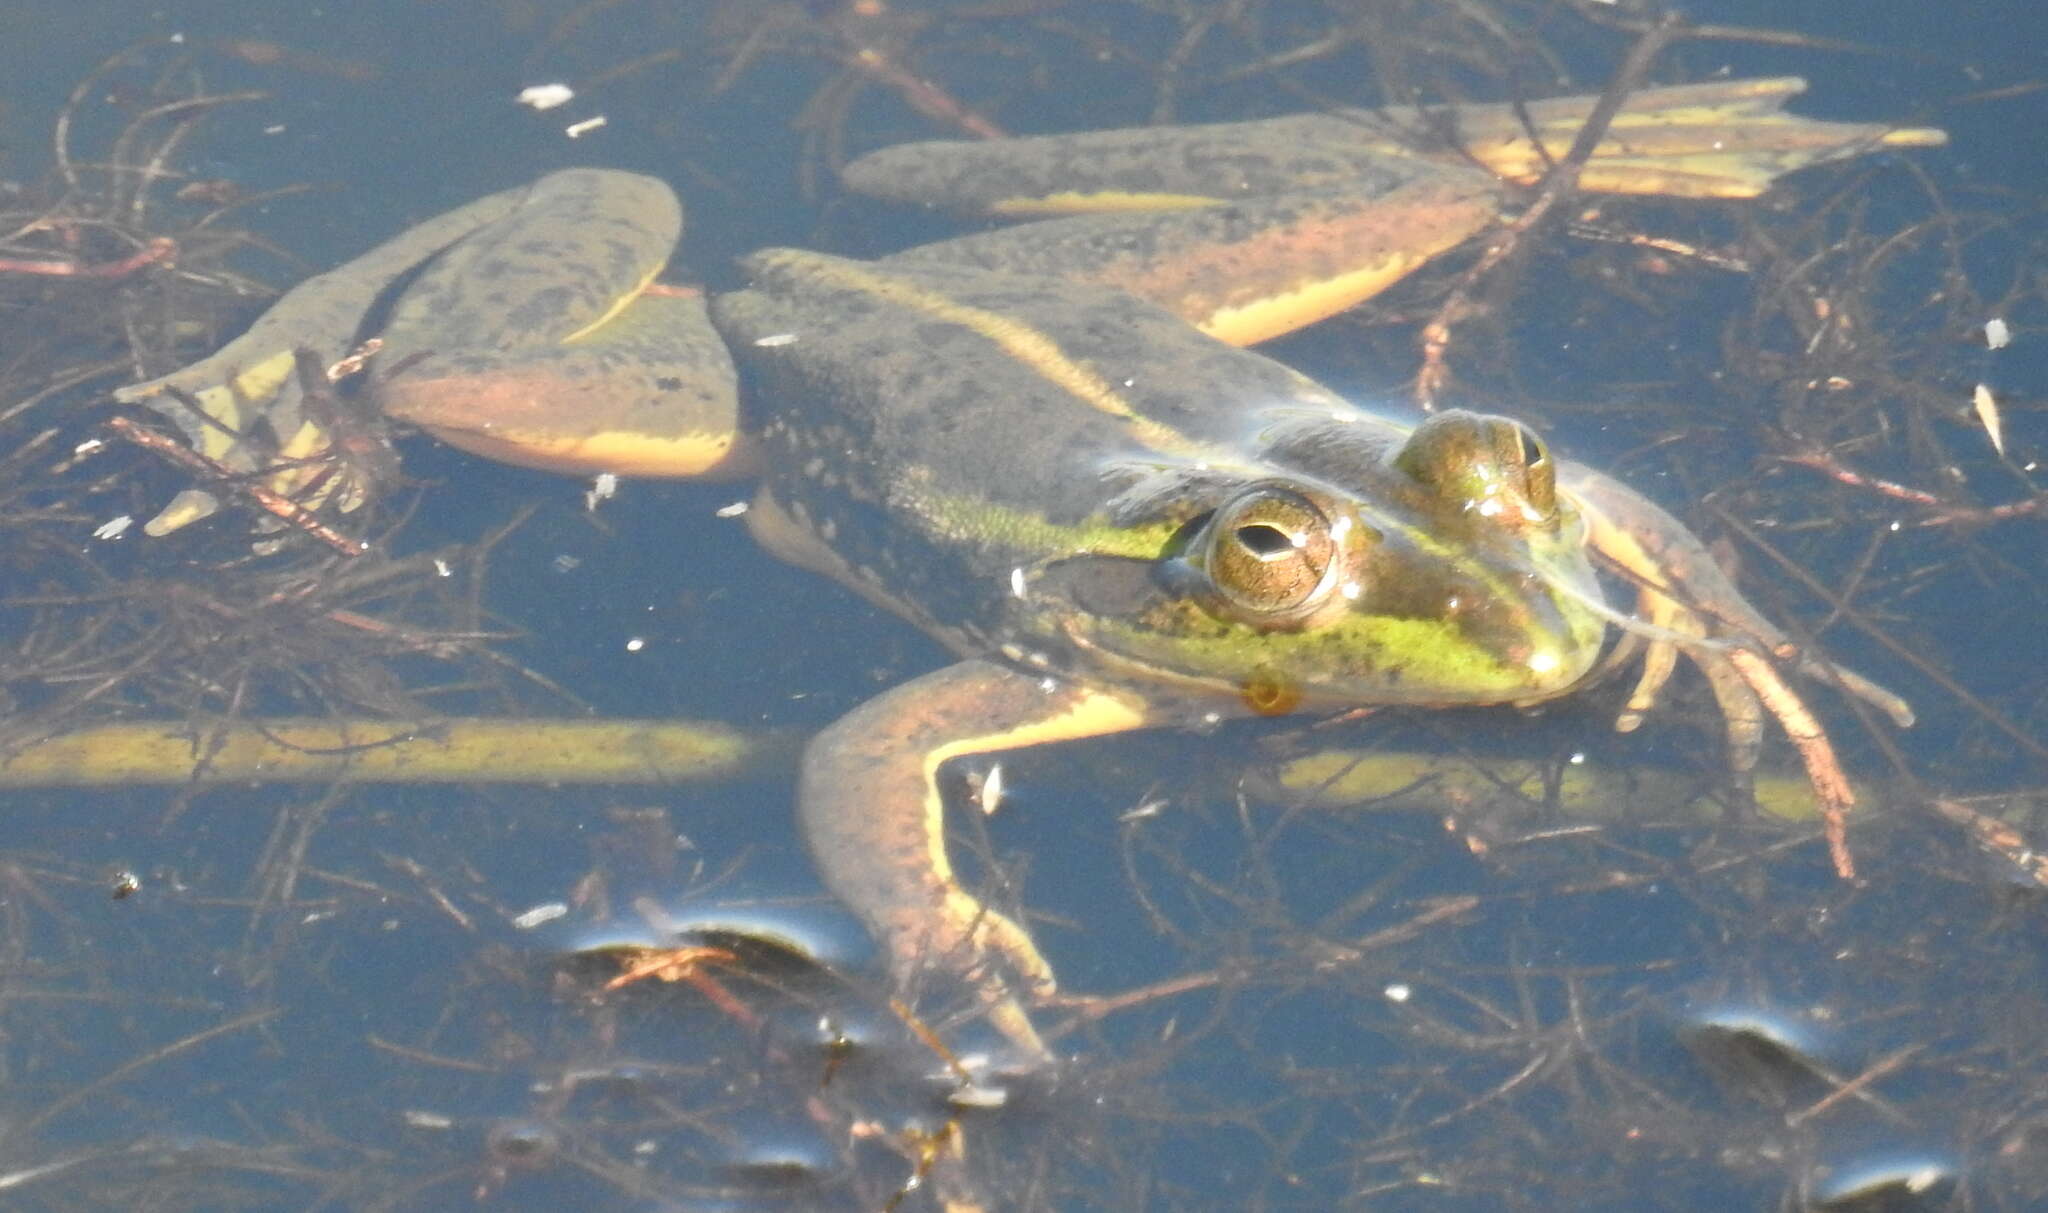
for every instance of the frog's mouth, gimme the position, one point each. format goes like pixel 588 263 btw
pixel 1266 690
pixel 1079 595
pixel 1117 616
pixel 1152 676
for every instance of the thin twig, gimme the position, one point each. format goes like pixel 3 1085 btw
pixel 1560 183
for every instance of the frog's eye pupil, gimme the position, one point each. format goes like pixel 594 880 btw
pixel 1265 541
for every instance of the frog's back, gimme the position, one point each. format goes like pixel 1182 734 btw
pixel 1014 392
pixel 937 427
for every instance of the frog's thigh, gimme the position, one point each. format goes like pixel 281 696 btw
pixel 577 249
pixel 1248 271
pixel 652 393
pixel 872 814
pixel 538 340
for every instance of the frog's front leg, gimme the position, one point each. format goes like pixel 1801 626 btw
pixel 1692 607
pixel 873 817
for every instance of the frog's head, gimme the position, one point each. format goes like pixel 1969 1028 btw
pixel 1445 571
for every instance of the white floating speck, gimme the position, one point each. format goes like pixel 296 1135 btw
pixel 1987 414
pixel 540 915
pixel 636 643
pixel 418 1119
pixel 546 96
pixel 1017 582
pixel 275 128
pixel 113 528
pixel 91 446
pixel 1997 333
pixel 1399 991
pixel 775 340
pixel 974 1095
pixel 576 130
pixel 992 790
pixel 442 568
pixel 566 563
pixel 1150 808
pixel 731 511
pixel 602 489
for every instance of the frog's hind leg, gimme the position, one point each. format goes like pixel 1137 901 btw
pixel 1248 271
pixel 219 401
pixel 542 339
pixel 1720 139
pixel 536 303
pixel 1254 229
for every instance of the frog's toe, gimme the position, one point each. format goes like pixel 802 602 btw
pixel 1660 659
pixel 1663 639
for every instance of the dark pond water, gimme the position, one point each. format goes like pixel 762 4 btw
pixel 381 996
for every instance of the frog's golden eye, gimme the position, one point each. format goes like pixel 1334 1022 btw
pixel 1497 469
pixel 1272 554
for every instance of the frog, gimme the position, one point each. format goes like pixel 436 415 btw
pixel 1050 447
